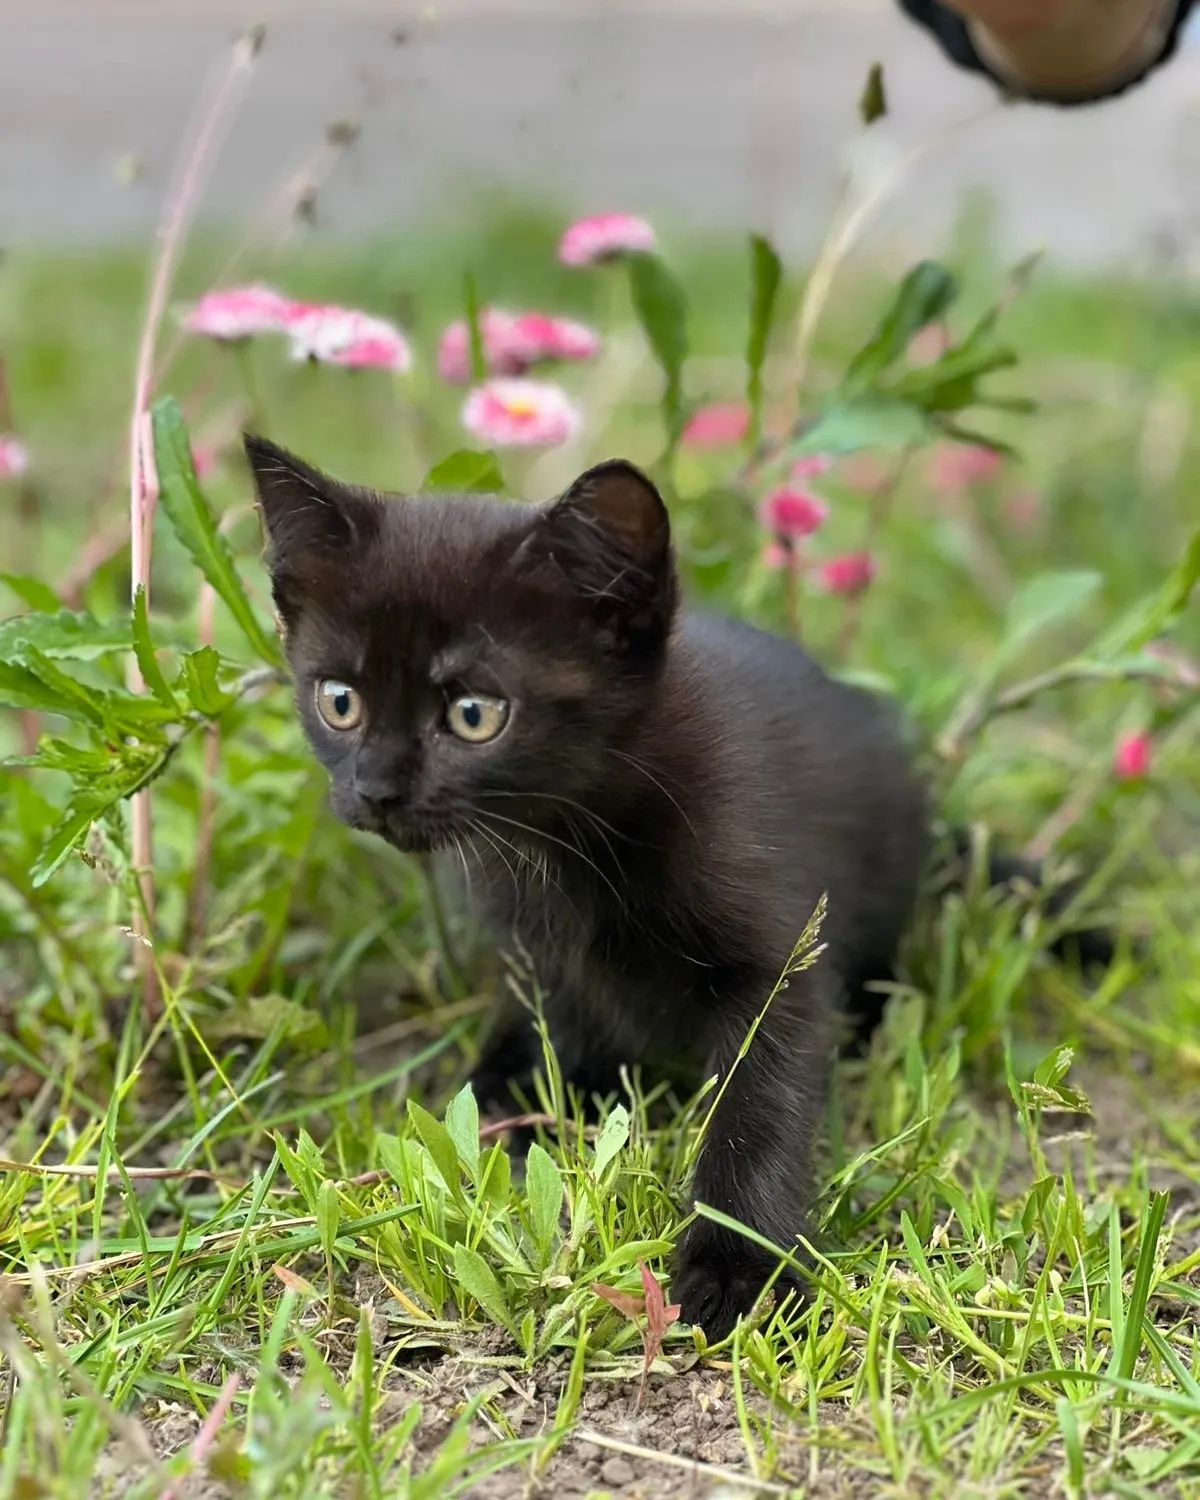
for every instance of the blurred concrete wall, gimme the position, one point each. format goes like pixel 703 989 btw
pixel 735 113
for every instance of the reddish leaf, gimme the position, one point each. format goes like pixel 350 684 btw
pixel 624 1302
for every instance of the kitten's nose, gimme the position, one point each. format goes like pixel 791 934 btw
pixel 383 773
pixel 380 787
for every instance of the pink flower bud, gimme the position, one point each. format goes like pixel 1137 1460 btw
pixel 718 426
pixel 1132 756
pixel 793 513
pixel 849 574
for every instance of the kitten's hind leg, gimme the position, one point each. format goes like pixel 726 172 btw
pixel 756 1162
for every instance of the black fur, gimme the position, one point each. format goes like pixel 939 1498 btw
pixel 672 796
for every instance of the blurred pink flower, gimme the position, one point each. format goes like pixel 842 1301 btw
pixel 512 342
pixel 717 426
pixel 812 466
pixel 792 514
pixel 777 555
pixel 1132 756
pixel 344 336
pixel 957 466
pixel 603 237
pixel 849 574
pixel 928 344
pixel 14 457
pixel 514 413
pixel 205 459
pixel 239 313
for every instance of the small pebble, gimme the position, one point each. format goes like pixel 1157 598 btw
pixel 617 1471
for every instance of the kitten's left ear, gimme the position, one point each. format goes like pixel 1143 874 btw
pixel 609 539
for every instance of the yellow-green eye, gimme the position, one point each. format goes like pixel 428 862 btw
pixel 339 704
pixel 476 719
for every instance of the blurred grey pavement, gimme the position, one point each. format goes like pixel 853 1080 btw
pixel 726 114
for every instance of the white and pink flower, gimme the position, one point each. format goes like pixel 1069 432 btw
pixel 344 336
pixel 605 237
pixel 516 413
pixel 512 342
pixel 240 312
pixel 14 457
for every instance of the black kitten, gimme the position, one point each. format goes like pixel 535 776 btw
pixel 657 799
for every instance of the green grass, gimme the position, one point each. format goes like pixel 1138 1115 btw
pixel 278 1178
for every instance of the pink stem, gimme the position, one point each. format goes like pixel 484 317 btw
pixel 207 1435
pixel 208 792
pixel 143 481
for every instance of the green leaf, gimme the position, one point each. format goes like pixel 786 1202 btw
pixel 63 634
pixel 329 1214
pixel 924 294
pixel 495 1178
pixel 89 703
pixel 474 329
pixel 21 688
pixel 1044 601
pixel 661 308
pixel 32 591
pixel 766 271
pixel 462 1125
pixel 198 677
pixel 187 510
pixel 137 766
pixel 437 1141
pixel 613 1135
pixel 143 648
pixel 544 1188
pixel 477 1279
pixel 1156 615
pixel 866 422
pixel 872 102
pixel 467 472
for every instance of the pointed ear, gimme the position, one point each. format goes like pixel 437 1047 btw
pixel 608 541
pixel 307 516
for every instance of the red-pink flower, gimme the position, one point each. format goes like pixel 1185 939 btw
pixel 957 466
pixel 512 342
pixel 239 313
pixel 515 413
pixel 792 514
pixel 718 426
pixel 14 457
pixel 812 466
pixel 344 336
pixel 1132 757
pixel 205 459
pixel 849 574
pixel 604 237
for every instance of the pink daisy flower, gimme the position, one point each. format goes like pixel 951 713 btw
pixel 344 336
pixel 512 342
pixel 604 237
pixel 239 313
pixel 14 457
pixel 720 425
pixel 958 466
pixel 849 574
pixel 1132 757
pixel 515 413
pixel 792 514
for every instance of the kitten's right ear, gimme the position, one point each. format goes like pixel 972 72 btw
pixel 307 516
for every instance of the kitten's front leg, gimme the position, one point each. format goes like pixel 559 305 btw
pixel 514 1053
pixel 756 1161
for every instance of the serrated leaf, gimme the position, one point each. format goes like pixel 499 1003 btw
pixel 872 102
pixel 143 647
pixel 21 688
pixel 32 591
pixel 468 472
pixel 866 422
pixel 462 1125
pixel 1155 615
pixel 544 1189
pixel 89 703
pixel 661 309
pixel 478 1280
pixel 137 766
pixel 63 635
pixel 184 505
pixel 766 272
pixel 436 1140
pixel 613 1135
pixel 1041 602
pixel 924 294
pixel 198 675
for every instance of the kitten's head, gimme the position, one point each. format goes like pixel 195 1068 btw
pixel 460 660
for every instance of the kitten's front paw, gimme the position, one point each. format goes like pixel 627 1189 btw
pixel 718 1277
